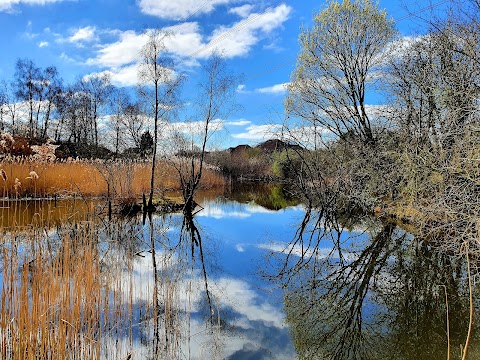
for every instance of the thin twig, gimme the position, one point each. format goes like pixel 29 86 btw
pixel 464 357
pixel 74 328
pixel 448 322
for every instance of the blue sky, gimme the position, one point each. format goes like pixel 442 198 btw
pixel 258 38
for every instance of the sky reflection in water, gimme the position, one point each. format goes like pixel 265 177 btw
pixel 238 240
pixel 235 238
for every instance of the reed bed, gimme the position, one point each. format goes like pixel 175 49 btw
pixel 85 288
pixel 50 306
pixel 59 300
pixel 27 178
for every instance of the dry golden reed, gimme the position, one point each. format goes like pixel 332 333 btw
pixel 87 178
pixel 51 302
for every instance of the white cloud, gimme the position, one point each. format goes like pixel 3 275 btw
pixel 217 212
pixel 85 34
pixel 260 132
pixel 42 44
pixel 230 292
pixel 123 76
pixel 278 89
pixel 305 135
pixel 238 39
pixel 123 52
pixel 298 250
pixel 185 294
pixel 308 136
pixel 7 5
pixel 242 11
pixel 242 89
pixel 187 41
pixel 185 38
pixel 67 58
pixel 274 46
pixel 120 58
pixel 240 296
pixel 238 123
pixel 257 209
pixel 179 9
pixel 29 34
pixel 193 128
pixel 240 248
pixel 401 46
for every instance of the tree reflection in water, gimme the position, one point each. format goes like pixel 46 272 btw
pixel 381 296
pixel 152 271
pixel 347 295
pixel 148 284
pixel 169 283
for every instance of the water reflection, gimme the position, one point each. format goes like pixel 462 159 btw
pixel 207 309
pixel 46 213
pixel 163 289
pixel 377 295
pixel 268 196
pixel 186 285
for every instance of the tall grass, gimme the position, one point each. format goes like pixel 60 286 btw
pixel 86 289
pixel 92 178
pixel 51 306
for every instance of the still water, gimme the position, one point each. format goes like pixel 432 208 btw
pixel 238 282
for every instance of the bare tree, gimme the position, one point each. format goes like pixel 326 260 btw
pixel 3 105
pixel 27 81
pixel 40 89
pixel 215 94
pixel 215 100
pixel 341 57
pixel 68 124
pixel 96 89
pixel 8 105
pixel 434 87
pixel 119 102
pixel 159 86
pixel 134 122
pixel 50 92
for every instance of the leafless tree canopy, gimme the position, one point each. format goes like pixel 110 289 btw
pixel 161 84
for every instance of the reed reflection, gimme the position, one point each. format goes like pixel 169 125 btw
pixel 122 288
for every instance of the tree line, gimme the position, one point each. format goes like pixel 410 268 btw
pixel 38 104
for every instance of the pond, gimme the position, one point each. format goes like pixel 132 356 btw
pixel 238 282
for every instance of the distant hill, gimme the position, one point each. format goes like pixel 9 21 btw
pixel 240 149
pixel 268 147
pixel 276 145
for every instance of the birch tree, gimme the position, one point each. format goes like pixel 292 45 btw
pixel 215 100
pixel 159 87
